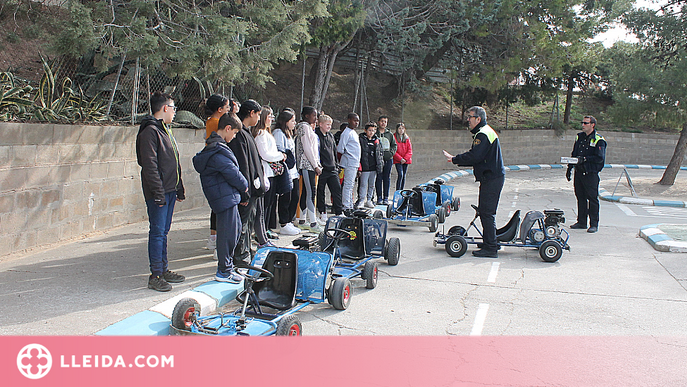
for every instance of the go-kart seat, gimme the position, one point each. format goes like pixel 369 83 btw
pixel 280 291
pixel 352 249
pixel 508 232
pixel 412 200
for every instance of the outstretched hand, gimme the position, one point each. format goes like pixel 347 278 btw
pixel 449 157
pixel 568 174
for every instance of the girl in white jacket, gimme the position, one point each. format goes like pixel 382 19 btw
pixel 308 162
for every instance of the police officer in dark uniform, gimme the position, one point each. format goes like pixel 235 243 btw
pixel 590 150
pixel 485 158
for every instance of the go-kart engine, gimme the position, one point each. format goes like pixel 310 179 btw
pixel 537 235
pixel 553 217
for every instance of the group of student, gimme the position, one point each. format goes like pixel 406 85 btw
pixel 256 171
pixel 298 161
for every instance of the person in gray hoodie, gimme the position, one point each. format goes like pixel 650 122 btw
pixel 224 187
pixel 158 156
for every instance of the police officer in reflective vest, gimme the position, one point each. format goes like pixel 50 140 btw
pixel 485 158
pixel 590 150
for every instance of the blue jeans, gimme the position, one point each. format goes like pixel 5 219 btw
pixel 402 170
pixel 160 221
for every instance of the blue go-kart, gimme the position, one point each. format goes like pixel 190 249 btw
pixel 281 281
pixel 364 240
pixel 430 203
pixel 539 231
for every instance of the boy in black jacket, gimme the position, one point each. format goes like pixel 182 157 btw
pixel 371 163
pixel 330 169
pixel 158 156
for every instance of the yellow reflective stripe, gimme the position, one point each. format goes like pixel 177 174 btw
pixel 489 132
pixel 596 138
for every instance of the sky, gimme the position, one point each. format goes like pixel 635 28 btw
pixel 618 32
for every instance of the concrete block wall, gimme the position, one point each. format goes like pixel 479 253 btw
pixel 541 147
pixel 59 182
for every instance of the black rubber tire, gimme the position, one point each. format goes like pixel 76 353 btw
pixel 433 222
pixel 441 215
pixel 392 253
pixel 340 293
pixel 389 209
pixel 185 313
pixel 455 204
pixel 321 240
pixel 370 274
pixel 457 230
pixel 290 326
pixel 378 214
pixel 550 251
pixel 456 246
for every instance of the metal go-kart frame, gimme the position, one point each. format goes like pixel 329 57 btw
pixel 355 242
pixel 539 231
pixel 426 204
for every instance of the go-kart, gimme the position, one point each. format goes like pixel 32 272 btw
pixel 430 203
pixel 539 231
pixel 355 242
pixel 262 289
pixel 278 283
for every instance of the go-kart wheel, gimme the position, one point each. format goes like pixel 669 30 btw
pixel 433 222
pixel 378 214
pixel 441 214
pixel 370 273
pixel 457 230
pixel 340 293
pixel 456 246
pixel 389 210
pixel 455 204
pixel 185 313
pixel 393 251
pixel 550 251
pixel 289 326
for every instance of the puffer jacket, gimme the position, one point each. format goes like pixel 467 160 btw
pixel 223 184
pixel 371 154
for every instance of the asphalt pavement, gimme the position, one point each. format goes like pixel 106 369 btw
pixel 610 283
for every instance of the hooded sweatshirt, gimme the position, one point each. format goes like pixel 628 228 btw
pixel 158 156
pixel 223 184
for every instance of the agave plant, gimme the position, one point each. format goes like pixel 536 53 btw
pixel 15 99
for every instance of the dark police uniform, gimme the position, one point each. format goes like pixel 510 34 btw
pixel 591 153
pixel 487 162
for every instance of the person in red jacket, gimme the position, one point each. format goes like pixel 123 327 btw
pixel 403 156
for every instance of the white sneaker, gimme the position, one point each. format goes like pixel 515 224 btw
pixel 323 219
pixel 369 204
pixel 214 254
pixel 212 242
pixel 316 228
pixel 289 229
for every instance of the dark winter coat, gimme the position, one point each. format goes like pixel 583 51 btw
pixel 250 164
pixel 371 154
pixel 223 184
pixel 158 156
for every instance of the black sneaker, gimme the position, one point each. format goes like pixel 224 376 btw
pixel 578 226
pixel 158 283
pixel 485 253
pixel 173 277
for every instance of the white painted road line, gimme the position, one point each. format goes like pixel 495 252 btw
pixel 494 272
pixel 479 320
pixel 624 208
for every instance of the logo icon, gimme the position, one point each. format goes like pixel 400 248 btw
pixel 34 361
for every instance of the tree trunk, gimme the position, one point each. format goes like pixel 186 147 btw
pixel 569 98
pixel 676 161
pixel 323 70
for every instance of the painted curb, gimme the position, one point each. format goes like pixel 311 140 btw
pixel 155 321
pixel 661 241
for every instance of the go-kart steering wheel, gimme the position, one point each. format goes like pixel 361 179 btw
pixel 406 193
pixel 338 234
pixel 255 278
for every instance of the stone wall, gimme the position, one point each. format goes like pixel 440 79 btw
pixel 59 182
